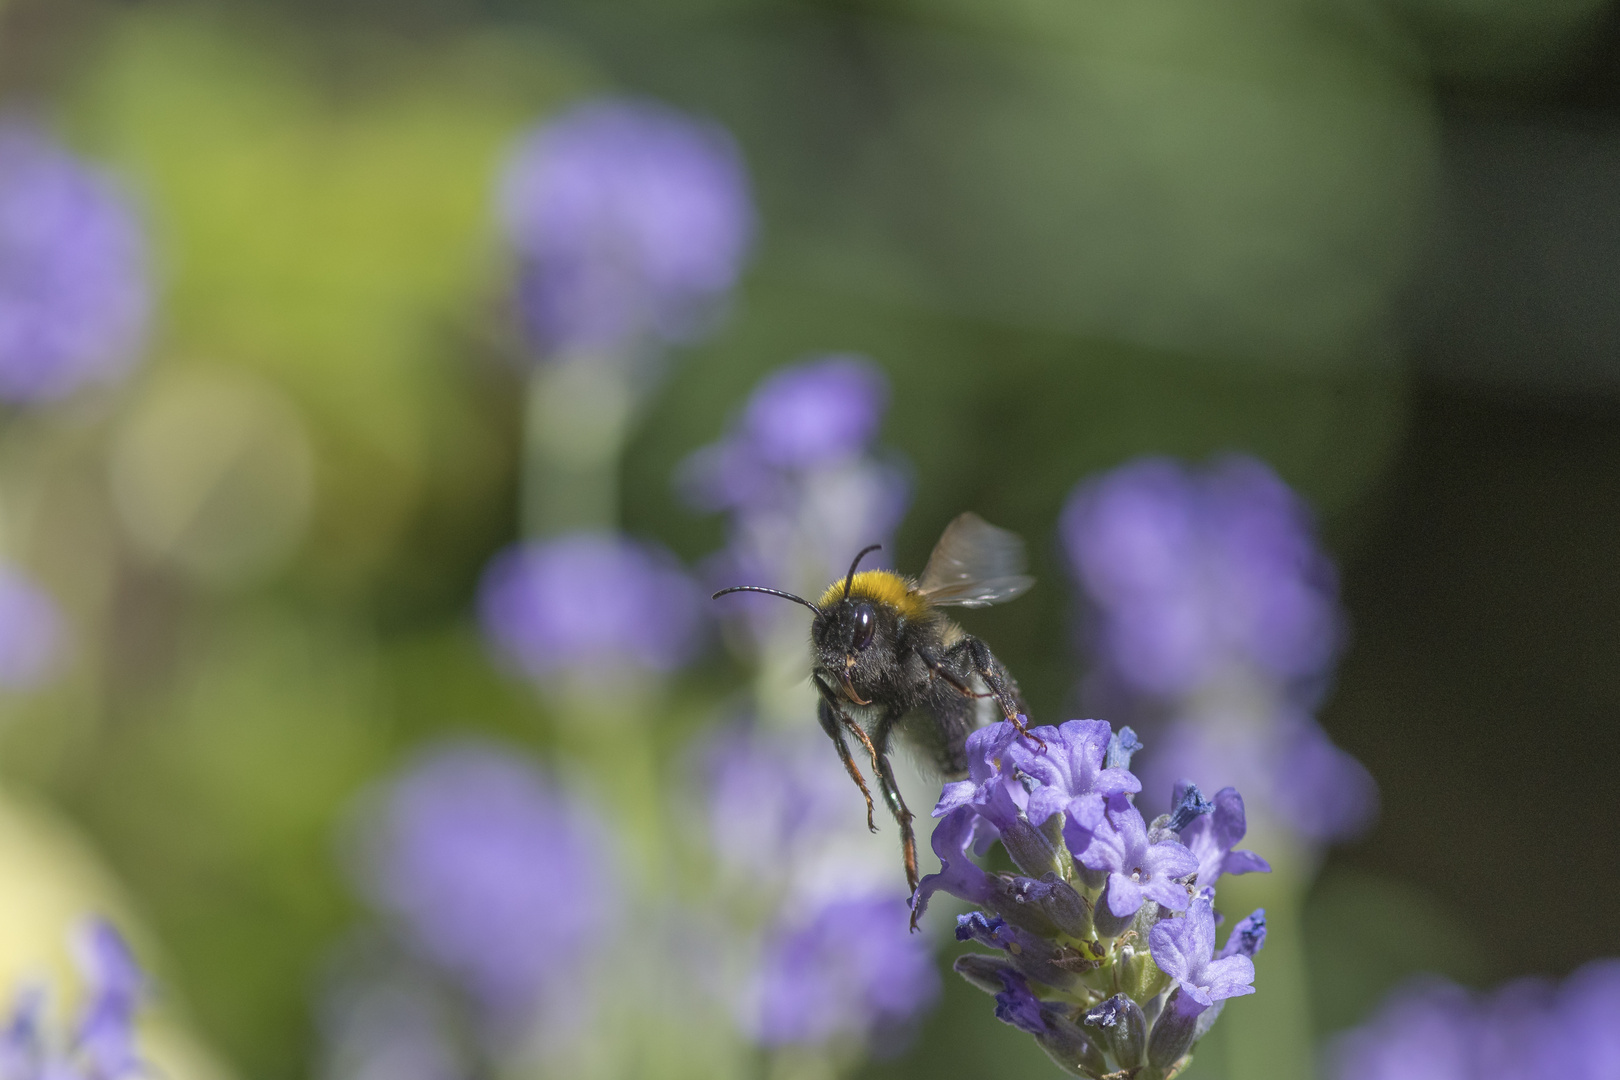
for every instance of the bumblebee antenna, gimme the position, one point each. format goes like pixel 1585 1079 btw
pixel 769 592
pixel 850 580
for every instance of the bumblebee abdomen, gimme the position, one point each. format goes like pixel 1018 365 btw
pixel 879 587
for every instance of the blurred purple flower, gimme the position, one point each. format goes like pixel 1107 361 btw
pixel 629 218
pixel 1527 1029
pixel 1184 949
pixel 808 414
pixel 494 875
pixel 805 416
pixel 31 632
pixel 102 1046
pixel 589 603
pixel 75 295
pixel 105 1039
pixel 849 971
pixel 1289 765
pixel 773 797
pixel 1190 572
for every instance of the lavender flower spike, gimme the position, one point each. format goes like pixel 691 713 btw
pixel 1184 949
pixel 1211 838
pixel 630 219
pixel 75 295
pixel 1064 968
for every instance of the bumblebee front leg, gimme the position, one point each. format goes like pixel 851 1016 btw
pixel 897 804
pixel 830 717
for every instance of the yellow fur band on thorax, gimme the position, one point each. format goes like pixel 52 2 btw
pixel 883 586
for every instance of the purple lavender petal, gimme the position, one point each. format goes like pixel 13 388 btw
pixel 851 971
pixel 494 875
pixel 75 296
pixel 1119 845
pixel 32 634
pixel 1183 948
pixel 1211 837
pixel 629 219
pixel 1124 896
pixel 1071 768
pixel 958 875
pixel 1018 1006
pixel 589 602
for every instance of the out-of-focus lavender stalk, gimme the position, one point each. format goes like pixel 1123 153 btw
pixel 75 304
pixel 804 489
pixel 1213 623
pixel 504 889
pixel 825 973
pixel 630 222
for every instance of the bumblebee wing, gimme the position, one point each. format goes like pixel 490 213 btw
pixel 975 564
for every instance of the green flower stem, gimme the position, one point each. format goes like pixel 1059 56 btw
pixel 1269 1036
pixel 576 421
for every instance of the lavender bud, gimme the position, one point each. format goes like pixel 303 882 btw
pixel 981 971
pixel 1121 746
pixel 1122 1029
pixel 1189 804
pixel 1069 1047
pixel 1053 901
pixel 1173 1032
pixel 1030 849
pixel 1035 957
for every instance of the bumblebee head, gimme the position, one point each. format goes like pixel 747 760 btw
pixel 855 628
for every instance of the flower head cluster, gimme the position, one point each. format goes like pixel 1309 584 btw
pixel 798 476
pixel 1212 603
pixel 75 295
pixel 102 1043
pixel 494 877
pixel 631 221
pixel 598 604
pixel 829 957
pixel 1526 1030
pixel 1104 945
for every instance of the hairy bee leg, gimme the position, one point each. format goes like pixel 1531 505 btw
pixel 829 716
pixel 897 803
pixel 984 662
pixel 936 666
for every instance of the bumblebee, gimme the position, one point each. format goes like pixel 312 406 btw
pixel 885 660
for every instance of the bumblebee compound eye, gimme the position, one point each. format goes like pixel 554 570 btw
pixel 865 624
